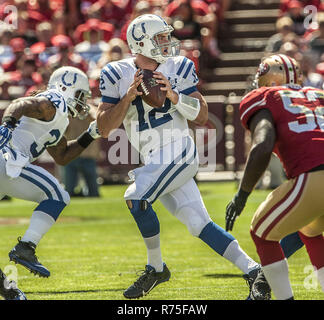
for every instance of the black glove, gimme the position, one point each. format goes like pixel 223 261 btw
pixel 234 208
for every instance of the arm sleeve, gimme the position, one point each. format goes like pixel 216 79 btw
pixel 251 103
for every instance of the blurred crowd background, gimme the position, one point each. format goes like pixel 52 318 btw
pixel 90 33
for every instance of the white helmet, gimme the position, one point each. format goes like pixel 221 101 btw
pixel 142 38
pixel 73 85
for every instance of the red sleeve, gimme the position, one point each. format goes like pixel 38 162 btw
pixel 251 103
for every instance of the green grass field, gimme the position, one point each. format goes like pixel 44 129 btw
pixel 95 250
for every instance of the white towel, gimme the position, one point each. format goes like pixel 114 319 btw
pixel 15 161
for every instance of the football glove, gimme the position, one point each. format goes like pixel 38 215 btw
pixel 5 135
pixel 93 130
pixel 234 208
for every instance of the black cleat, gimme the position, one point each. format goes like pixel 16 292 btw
pixel 9 290
pixel 24 254
pixel 146 282
pixel 259 287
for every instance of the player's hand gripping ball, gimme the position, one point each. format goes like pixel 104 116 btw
pixel 152 93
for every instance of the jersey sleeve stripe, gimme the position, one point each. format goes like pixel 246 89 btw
pixel 108 76
pixel 182 66
pixel 188 69
pixel 113 71
pixel 110 99
pixel 256 104
pixel 189 90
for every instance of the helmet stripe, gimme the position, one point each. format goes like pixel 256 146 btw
pixel 294 69
pixel 288 68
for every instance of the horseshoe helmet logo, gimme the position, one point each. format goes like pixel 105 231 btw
pixel 143 30
pixel 69 84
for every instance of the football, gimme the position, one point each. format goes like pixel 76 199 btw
pixel 152 94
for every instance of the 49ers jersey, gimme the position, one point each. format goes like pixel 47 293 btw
pixel 298 115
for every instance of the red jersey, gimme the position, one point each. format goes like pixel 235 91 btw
pixel 298 115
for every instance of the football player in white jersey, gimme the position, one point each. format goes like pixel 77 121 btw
pixel 31 125
pixel 162 138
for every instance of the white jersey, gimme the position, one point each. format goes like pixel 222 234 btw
pixel 32 136
pixel 150 128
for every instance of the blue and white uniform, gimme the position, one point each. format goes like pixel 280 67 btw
pixel 19 178
pixel 160 135
pixel 162 138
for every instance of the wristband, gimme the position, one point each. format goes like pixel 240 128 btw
pixel 9 122
pixel 189 107
pixel 85 139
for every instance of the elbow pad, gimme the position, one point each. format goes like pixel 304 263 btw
pixel 189 107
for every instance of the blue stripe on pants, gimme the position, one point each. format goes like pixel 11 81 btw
pixel 165 172
pixel 185 165
pixel 48 180
pixel 38 184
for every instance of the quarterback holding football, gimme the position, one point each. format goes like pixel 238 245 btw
pixel 154 94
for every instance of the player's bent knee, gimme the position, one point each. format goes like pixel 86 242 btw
pixel 193 218
pixel 51 207
pixel 66 197
pixel 145 217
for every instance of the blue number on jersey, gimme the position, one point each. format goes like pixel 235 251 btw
pixel 155 122
pixel 33 148
pixel 54 98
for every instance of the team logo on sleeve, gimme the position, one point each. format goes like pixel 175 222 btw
pixel 263 69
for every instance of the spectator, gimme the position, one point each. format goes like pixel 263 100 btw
pixel 219 7
pixel 316 42
pixel 105 31
pixel 65 55
pixel 117 50
pixel 6 52
pixel 91 50
pixel 141 7
pixel 284 4
pixel 85 165
pixel 296 13
pixel 284 26
pixel 290 49
pixel 71 16
pixel 182 10
pixel 158 7
pixel 108 10
pixel 18 46
pixel 26 74
pixel 320 70
pixel 310 77
pixel 43 48
pixel 4 85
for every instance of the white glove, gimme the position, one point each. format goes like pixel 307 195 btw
pixel 93 130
